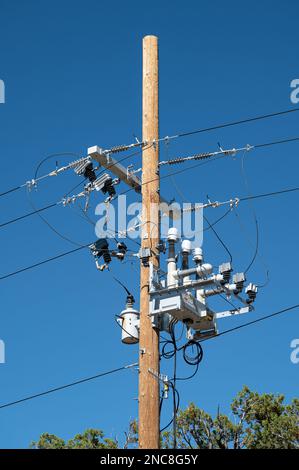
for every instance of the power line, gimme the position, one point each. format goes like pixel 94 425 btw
pixel 244 325
pixel 29 183
pixel 213 158
pixel 49 225
pixel 62 387
pixel 236 123
pixel 29 214
pixel 241 199
pixel 184 134
pixel 224 152
pixel 246 198
pixel 162 177
pixel 277 142
pixel 10 191
pixel 40 263
pixel 219 239
pixel 273 193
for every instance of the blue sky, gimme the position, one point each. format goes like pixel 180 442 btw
pixel 72 72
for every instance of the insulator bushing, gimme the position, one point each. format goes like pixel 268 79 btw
pixel 89 173
pixel 106 257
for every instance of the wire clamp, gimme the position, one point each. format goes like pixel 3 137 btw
pixel 31 184
pixel 161 377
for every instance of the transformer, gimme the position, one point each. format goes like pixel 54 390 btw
pixel 129 323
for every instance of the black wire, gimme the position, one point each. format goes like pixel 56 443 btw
pixel 50 226
pixel 273 193
pixel 174 428
pixel 62 387
pixel 177 407
pixel 189 377
pixel 126 367
pixel 266 317
pixel 122 328
pixel 61 235
pixel 27 215
pixel 64 237
pixel 10 191
pixel 229 211
pixel 63 154
pixel 40 263
pixel 207 129
pixel 193 360
pixel 236 123
pixel 196 165
pixel 219 239
pixel 121 284
pixel 256 247
pixel 39 165
pixel 277 142
pixel 246 198
pixel 243 172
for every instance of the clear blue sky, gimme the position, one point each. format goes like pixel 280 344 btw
pixel 73 79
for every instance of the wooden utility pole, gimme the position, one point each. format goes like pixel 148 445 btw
pixel 149 419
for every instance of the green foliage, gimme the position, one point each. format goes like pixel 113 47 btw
pixel 48 441
pixel 90 439
pixel 255 422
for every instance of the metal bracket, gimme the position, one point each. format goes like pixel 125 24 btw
pixel 161 377
pixel 144 255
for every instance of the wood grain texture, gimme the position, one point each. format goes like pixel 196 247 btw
pixel 149 419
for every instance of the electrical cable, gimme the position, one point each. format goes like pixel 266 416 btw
pixel 29 214
pixel 177 407
pixel 219 239
pixel 211 226
pixel 12 190
pixel 48 260
pixel 136 364
pixel 62 387
pixel 243 172
pixel 200 351
pixel 36 211
pixel 40 263
pixel 190 360
pixel 277 142
pixel 244 325
pixel 53 155
pixel 50 226
pixel 256 250
pixel 122 328
pixel 273 193
pixel 246 198
pixel 207 129
pixel 236 123
pixel 191 167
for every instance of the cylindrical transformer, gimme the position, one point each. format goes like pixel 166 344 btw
pixel 129 322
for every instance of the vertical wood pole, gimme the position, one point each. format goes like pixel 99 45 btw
pixel 149 419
